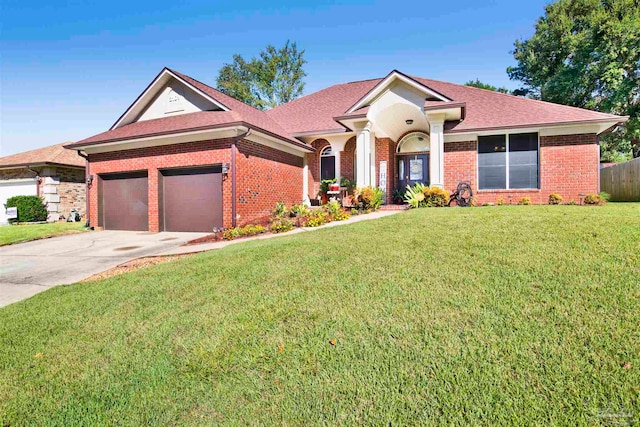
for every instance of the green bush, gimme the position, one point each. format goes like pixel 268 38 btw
pixel 298 211
pixel 281 225
pixel 247 230
pixel 555 199
pixel 280 210
pixel 605 196
pixel 332 208
pixel 30 208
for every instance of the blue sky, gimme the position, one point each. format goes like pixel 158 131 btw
pixel 69 69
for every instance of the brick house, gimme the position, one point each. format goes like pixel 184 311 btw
pixel 53 173
pixel 185 157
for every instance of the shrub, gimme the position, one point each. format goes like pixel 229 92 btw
pixel 317 218
pixel 435 197
pixel 571 203
pixel 414 196
pixel 247 230
pixel 280 210
pixel 368 197
pixel 341 215
pixel 30 208
pixel 299 211
pixel 555 199
pixel 605 196
pixel 500 201
pixel 332 208
pixel 594 199
pixel 525 201
pixel 280 225
pixel 420 196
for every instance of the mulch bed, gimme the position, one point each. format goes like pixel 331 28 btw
pixel 133 265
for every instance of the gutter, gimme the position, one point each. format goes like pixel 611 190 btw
pixel 87 186
pixel 234 152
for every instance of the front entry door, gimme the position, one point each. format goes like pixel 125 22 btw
pixel 412 168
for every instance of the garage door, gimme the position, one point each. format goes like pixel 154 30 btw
pixel 191 199
pixel 15 187
pixel 125 201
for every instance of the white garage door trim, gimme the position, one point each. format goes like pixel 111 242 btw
pixel 15 187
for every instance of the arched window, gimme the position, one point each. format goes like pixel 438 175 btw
pixel 415 142
pixel 327 163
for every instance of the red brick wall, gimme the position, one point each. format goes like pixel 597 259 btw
pixel 347 159
pixel 385 151
pixel 257 169
pixel 460 164
pixel 568 166
pixel 265 176
pixel 313 160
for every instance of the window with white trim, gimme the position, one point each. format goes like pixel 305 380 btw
pixel 327 163
pixel 508 162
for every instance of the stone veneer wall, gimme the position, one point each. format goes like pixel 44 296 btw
pixel 61 188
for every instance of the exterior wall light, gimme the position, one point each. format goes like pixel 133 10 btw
pixel 409 122
pixel 225 169
pixel 90 180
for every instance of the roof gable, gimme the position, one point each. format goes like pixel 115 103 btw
pixel 389 82
pixel 168 86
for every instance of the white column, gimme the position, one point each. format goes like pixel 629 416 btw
pixel 305 182
pixel 372 159
pixel 337 157
pixel 436 163
pixel 363 157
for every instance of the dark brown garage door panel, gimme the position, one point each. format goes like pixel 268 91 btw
pixel 192 199
pixel 125 201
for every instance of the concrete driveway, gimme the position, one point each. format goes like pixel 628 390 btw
pixel 32 267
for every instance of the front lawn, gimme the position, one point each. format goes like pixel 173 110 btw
pixel 526 315
pixel 24 233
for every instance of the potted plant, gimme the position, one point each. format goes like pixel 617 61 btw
pixel 398 196
pixel 324 188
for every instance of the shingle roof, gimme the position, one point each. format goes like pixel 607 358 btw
pixel 53 154
pixel 318 112
pixel 239 113
pixel 484 109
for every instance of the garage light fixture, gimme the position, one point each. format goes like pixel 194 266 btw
pixel 90 180
pixel 225 169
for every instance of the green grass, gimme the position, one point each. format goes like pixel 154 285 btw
pixel 520 315
pixel 24 233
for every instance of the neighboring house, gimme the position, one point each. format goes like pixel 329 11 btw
pixel 185 157
pixel 54 173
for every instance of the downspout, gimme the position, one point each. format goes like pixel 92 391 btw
pixel 87 186
pixel 38 179
pixel 234 151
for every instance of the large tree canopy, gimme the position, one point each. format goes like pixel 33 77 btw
pixel 274 78
pixel 586 53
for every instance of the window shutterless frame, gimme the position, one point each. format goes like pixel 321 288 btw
pixel 507 165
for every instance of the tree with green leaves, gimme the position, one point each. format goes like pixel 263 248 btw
pixel 477 83
pixel 586 53
pixel 275 77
